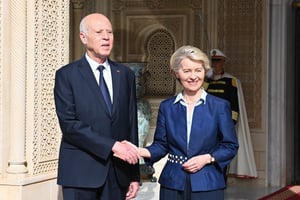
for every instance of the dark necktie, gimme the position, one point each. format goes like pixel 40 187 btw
pixel 104 89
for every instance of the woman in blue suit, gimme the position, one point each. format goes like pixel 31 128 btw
pixel 195 130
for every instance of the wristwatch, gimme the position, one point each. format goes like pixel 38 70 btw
pixel 212 159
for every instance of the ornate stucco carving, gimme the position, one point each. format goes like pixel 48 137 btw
pixel 51 28
pixel 240 36
pixel 159 47
pixel 77 4
pixel 134 21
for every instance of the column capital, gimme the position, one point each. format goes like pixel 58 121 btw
pixel 77 4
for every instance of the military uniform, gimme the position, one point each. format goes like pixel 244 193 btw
pixel 228 87
pixel 223 85
pixel 225 88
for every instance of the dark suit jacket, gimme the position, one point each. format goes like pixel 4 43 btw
pixel 89 131
pixel 212 132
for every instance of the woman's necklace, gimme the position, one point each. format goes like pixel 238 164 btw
pixel 191 101
pixel 190 104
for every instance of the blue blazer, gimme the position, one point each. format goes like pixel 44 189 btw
pixel 88 130
pixel 212 132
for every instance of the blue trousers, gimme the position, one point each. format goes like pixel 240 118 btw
pixel 187 194
pixel 110 190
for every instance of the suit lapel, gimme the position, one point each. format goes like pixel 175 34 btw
pixel 88 75
pixel 115 73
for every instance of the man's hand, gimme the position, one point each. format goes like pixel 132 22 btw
pixel 132 190
pixel 126 151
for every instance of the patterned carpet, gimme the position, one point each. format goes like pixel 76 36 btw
pixel 291 192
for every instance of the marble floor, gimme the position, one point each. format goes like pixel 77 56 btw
pixel 234 191
pixel 150 191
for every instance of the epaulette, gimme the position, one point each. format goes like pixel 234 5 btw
pixel 234 82
pixel 205 85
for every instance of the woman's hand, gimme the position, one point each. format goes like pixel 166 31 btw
pixel 144 152
pixel 126 151
pixel 196 163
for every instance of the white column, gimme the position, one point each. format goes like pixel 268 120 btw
pixel 77 7
pixel 277 72
pixel 212 24
pixel 17 161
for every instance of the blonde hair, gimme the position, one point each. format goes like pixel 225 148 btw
pixel 190 52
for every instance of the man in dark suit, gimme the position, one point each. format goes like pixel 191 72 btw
pixel 98 155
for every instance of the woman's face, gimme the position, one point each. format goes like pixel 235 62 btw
pixel 191 75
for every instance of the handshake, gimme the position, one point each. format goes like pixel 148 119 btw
pixel 129 152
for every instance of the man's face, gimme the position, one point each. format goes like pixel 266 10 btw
pixel 218 65
pixel 98 37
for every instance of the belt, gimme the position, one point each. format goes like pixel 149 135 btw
pixel 176 159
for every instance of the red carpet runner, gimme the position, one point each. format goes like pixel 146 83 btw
pixel 291 192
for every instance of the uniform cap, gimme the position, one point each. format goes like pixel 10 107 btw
pixel 217 54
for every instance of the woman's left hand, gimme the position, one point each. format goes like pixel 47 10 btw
pixel 196 163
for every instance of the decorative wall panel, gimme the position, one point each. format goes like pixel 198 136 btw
pixel 159 48
pixel 51 52
pixel 150 31
pixel 240 37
